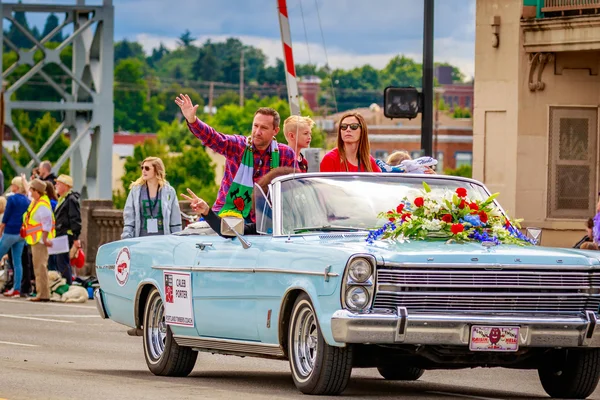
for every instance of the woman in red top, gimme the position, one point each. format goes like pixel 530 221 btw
pixel 353 150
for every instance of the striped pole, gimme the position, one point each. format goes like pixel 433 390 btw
pixel 288 58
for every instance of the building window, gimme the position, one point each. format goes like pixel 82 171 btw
pixel 572 162
pixel 381 154
pixel 463 158
pixel 416 154
pixel 456 102
pixel 467 102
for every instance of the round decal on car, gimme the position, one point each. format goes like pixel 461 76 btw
pixel 122 266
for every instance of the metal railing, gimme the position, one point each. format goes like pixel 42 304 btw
pixel 569 5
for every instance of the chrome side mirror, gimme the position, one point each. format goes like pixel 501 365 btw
pixel 234 227
pixel 535 234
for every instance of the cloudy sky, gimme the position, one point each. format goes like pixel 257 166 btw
pixel 354 32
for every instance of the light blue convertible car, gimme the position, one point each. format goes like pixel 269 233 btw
pixel 361 270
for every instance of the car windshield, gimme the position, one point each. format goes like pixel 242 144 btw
pixel 352 202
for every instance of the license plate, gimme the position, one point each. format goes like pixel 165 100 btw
pixel 494 338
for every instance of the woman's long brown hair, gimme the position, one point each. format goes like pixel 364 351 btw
pixel 364 148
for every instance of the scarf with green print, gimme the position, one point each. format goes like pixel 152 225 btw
pixel 238 201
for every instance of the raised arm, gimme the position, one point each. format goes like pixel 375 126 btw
pixel 225 145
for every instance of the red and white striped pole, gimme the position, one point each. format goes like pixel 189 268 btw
pixel 288 57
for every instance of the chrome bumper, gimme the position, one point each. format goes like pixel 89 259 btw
pixel 100 303
pixel 400 327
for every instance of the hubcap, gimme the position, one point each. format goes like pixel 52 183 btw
pixel 306 342
pixel 156 330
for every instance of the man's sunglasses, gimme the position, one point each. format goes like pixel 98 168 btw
pixel 352 126
pixel 147 168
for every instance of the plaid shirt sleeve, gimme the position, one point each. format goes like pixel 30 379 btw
pixel 226 145
pixel 287 157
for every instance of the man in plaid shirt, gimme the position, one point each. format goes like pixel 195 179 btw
pixel 264 129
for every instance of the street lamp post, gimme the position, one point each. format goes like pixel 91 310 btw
pixel 427 106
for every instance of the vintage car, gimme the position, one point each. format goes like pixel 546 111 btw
pixel 330 285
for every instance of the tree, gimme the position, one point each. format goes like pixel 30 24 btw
pixel 186 39
pixel 228 97
pixel 157 54
pixel 464 171
pixel 126 49
pixel 51 24
pixel 273 75
pixel 15 35
pixel 135 110
pixel 207 66
pixel 166 98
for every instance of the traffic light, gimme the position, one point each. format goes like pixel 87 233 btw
pixel 401 102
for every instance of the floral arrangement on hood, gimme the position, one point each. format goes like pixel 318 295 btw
pixel 451 215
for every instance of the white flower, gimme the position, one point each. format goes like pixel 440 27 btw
pixel 432 224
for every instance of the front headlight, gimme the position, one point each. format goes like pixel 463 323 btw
pixel 360 270
pixel 357 298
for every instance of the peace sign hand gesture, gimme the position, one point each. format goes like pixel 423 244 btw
pixel 188 109
pixel 198 204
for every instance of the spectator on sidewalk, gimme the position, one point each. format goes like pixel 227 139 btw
pixel 152 207
pixel 589 234
pixel 46 173
pixel 68 222
pixel 51 193
pixel 10 229
pixel 38 223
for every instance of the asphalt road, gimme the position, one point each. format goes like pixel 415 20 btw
pixel 64 351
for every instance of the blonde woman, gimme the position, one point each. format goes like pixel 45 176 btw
pixel 152 207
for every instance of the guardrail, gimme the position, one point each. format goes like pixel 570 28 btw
pixel 553 6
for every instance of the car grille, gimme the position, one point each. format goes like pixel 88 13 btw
pixel 458 290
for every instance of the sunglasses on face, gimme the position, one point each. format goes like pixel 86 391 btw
pixel 146 168
pixel 352 126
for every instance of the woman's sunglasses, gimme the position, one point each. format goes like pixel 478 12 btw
pixel 352 126
pixel 147 168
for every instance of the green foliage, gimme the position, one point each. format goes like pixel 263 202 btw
pixel 465 171
pixel 35 136
pixel 52 23
pixel 135 109
pixel 460 112
pixel 126 49
pixel 186 39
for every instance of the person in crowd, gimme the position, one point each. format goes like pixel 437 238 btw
pixel 214 221
pixel 35 173
pixel 589 234
pixel 247 158
pixel 38 225
pixel 589 246
pixel 51 193
pixel 397 157
pixel 353 152
pixel 45 172
pixel 298 133
pixel 68 222
pixel 152 207
pixel 10 229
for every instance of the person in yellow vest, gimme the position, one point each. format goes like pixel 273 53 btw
pixel 38 226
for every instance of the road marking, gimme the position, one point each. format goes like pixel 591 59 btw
pixel 18 344
pixel 36 319
pixel 464 396
pixel 61 316
pixel 50 303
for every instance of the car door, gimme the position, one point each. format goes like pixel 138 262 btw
pixel 224 293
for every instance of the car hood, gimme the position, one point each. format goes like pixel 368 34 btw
pixel 441 252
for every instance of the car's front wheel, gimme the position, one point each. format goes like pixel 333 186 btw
pixel 317 368
pixel 400 373
pixel 163 355
pixel 571 373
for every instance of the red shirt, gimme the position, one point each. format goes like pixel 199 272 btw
pixel 332 163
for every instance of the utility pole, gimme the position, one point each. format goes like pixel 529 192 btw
pixel 427 107
pixel 242 79
pixel 211 93
pixel 2 119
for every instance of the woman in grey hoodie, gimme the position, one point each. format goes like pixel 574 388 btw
pixel 152 207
